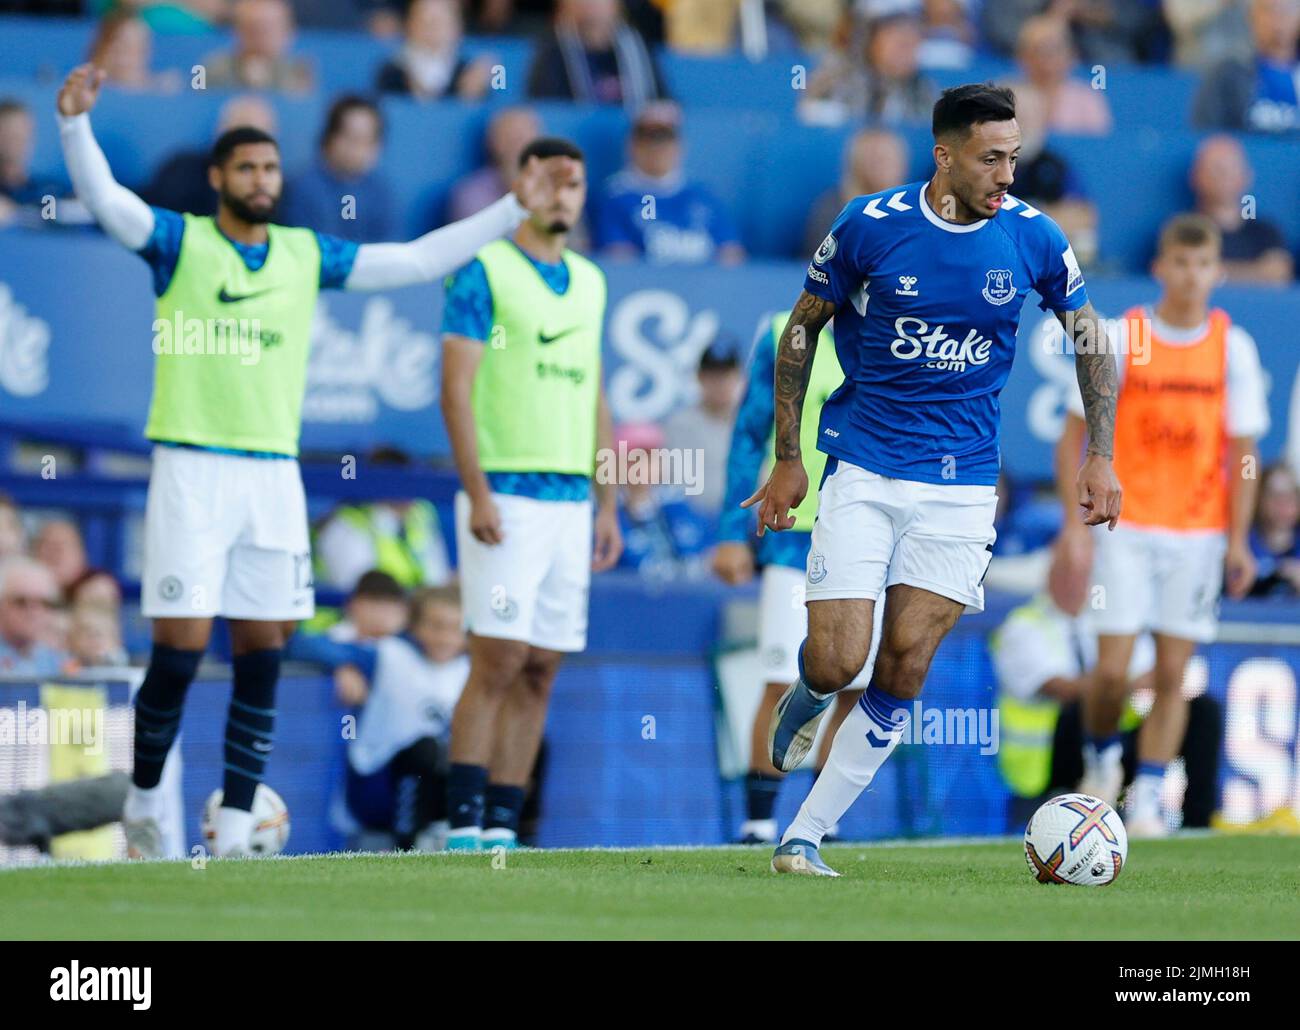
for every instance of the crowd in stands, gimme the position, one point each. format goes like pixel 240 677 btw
pixel 58 615
pixel 871 64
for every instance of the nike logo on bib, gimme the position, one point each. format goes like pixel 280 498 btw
pixel 542 338
pixel 235 298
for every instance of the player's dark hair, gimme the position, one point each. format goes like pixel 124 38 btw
pixel 342 107
pixel 237 137
pixel 551 146
pixel 12 105
pixel 378 586
pixel 1190 230
pixel 962 107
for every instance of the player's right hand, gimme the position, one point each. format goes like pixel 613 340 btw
pixel 785 488
pixel 733 562
pixel 80 90
pixel 485 521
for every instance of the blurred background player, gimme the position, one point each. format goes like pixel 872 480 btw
pixel 525 413
pixel 1191 406
pixel 406 681
pixel 782 616
pixel 1043 654
pixel 226 519
pixel 908 493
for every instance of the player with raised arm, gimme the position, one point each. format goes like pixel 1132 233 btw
pixel 226 519
pixel 526 412
pixel 1191 405
pixel 926 282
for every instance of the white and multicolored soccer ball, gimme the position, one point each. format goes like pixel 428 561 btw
pixel 1076 838
pixel 270 821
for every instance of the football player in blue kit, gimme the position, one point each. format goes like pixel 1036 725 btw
pixel 926 282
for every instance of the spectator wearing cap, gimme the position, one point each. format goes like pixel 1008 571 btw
pixel 1046 55
pixel 344 193
pixel 260 60
pixel 28 600
pixel 664 538
pixel 652 210
pixel 705 426
pixel 1260 92
pixel 429 65
pixel 508 132
pixel 874 160
pixel 1254 249
pixel 592 55
pixel 874 76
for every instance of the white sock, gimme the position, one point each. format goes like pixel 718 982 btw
pixel 763 829
pixel 1105 761
pixel 1144 800
pixel 143 803
pixel 234 830
pixel 852 764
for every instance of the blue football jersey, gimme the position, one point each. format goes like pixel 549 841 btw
pixel 925 329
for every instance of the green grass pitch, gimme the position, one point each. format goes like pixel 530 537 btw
pixel 1192 887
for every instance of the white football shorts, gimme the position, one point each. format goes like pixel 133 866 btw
pixel 1158 580
pixel 532 586
pixel 225 534
pixel 873 532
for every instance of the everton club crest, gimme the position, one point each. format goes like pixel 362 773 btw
pixel 997 286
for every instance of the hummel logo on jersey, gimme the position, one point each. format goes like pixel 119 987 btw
pixel 941 350
pixel 543 338
pixel 907 286
pixel 894 203
pixel 235 298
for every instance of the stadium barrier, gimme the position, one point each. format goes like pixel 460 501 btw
pixel 633 735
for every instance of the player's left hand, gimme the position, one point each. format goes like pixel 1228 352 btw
pixel 1100 494
pixel 609 539
pixel 1238 570
pixel 539 180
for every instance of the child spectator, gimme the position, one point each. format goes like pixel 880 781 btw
pixel 407 686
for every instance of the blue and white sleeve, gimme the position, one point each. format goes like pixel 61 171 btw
pixel 1058 278
pixel 839 266
pixel 749 442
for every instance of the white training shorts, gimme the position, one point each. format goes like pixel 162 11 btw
pixel 225 534
pixel 1158 580
pixel 873 532
pixel 532 586
pixel 783 624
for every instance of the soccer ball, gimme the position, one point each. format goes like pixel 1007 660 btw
pixel 1076 838
pixel 270 821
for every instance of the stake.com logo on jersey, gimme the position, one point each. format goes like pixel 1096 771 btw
pixel 916 339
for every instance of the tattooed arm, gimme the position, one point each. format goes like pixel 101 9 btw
pixel 1098 491
pixel 788 483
